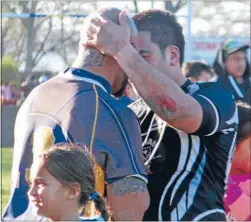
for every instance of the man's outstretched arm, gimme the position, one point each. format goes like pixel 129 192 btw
pixel 128 198
pixel 159 91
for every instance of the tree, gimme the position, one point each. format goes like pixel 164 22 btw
pixel 174 7
pixel 9 69
pixel 28 40
pixel 136 8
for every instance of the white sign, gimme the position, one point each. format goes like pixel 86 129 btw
pixel 205 48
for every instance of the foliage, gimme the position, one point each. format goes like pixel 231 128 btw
pixel 9 69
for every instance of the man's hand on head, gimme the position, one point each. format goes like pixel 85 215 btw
pixel 109 37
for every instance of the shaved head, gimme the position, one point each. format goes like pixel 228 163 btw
pixel 111 13
pixel 91 59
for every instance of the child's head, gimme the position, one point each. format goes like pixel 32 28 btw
pixel 62 181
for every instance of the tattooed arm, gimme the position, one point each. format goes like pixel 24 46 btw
pixel 129 199
pixel 160 92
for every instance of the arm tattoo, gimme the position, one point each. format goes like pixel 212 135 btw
pixel 167 107
pixel 168 104
pixel 93 58
pixel 128 185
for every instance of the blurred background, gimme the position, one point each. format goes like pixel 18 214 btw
pixel 41 37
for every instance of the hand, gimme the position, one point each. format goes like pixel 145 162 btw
pixel 107 36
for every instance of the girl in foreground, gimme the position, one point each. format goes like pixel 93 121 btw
pixel 62 181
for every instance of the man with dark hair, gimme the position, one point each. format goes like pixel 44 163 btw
pixel 76 106
pixel 188 130
pixel 163 29
pixel 197 71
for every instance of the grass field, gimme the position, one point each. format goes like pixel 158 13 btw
pixel 6 164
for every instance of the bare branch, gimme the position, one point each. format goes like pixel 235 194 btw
pixel 44 42
pixel 52 48
pixel 180 4
pixel 136 8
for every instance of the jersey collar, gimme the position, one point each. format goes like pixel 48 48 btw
pixel 89 77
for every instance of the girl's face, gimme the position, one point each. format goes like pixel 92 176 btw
pixel 47 195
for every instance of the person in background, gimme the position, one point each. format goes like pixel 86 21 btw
pixel 232 67
pixel 28 85
pixel 62 183
pixel 6 94
pixel 197 71
pixel 15 95
pixel 238 195
pixel 43 78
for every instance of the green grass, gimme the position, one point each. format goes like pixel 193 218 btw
pixel 6 165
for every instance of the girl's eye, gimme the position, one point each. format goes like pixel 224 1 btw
pixel 40 184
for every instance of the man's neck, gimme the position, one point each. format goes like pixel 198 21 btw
pixel 177 76
pixel 92 61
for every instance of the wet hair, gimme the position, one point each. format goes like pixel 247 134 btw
pixel 164 28
pixel 244 128
pixel 70 164
pixel 195 68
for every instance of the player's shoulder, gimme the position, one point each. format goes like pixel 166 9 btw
pixel 216 93
pixel 213 88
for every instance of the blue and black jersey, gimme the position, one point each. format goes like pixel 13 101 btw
pixel 76 107
pixel 187 173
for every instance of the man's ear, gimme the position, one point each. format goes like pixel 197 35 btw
pixel 74 191
pixel 172 55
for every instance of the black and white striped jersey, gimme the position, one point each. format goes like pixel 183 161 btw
pixel 187 173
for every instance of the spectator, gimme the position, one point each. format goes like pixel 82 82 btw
pixel 232 68
pixel 197 71
pixel 6 93
pixel 28 85
pixel 62 182
pixel 43 78
pixel 14 93
pixel 238 195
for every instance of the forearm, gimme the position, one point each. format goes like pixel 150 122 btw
pixel 160 92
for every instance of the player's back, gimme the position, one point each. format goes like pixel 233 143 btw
pixel 77 109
